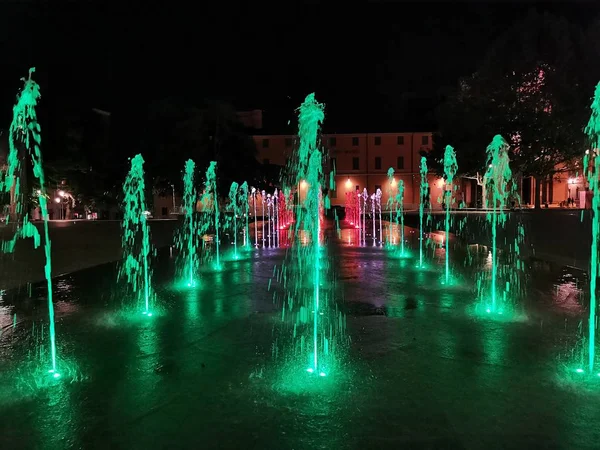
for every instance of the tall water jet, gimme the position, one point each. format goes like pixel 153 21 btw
pixel 233 207
pixel 25 133
pixel 262 197
pixel 450 169
pixel 378 195
pixel 400 213
pixel 423 198
pixel 591 166
pixel 255 222
pixel 244 200
pixel 187 239
pixel 390 202
pixel 310 169
pixel 211 195
pixel 497 177
pixel 365 199
pixel 135 234
pixel 374 221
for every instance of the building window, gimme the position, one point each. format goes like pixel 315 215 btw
pixel 400 140
pixel 355 141
pixel 332 163
pixel 400 162
pixel 424 140
pixel 378 163
pixel 266 161
pixel 288 142
pixel 377 140
pixel 332 142
pixel 265 143
pixel 355 163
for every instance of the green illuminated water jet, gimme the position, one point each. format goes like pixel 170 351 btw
pixel 24 133
pixel 310 169
pixel 211 196
pixel 423 197
pixel 233 207
pixel 135 235
pixel 400 213
pixel 450 169
pixel 390 202
pixel 591 165
pixel 187 240
pixel 244 200
pixel 497 177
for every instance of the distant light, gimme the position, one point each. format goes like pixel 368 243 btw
pixel 303 184
pixel 57 200
pixel 61 193
pixel 579 371
pixel 490 166
pixel 348 183
pixel 39 192
pixel 310 370
pixel 393 182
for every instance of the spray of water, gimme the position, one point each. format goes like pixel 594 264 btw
pixel 25 133
pixel 211 197
pixel 496 181
pixel 187 240
pixel 591 164
pixel 450 169
pixel 244 201
pixel 423 199
pixel 233 208
pixel 135 235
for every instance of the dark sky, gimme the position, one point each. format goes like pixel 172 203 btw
pixel 360 60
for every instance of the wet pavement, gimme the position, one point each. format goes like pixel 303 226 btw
pixel 421 370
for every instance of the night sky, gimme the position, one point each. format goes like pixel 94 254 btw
pixel 378 66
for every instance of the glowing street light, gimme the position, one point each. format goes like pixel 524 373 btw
pixel 57 199
pixel 61 193
pixel 348 183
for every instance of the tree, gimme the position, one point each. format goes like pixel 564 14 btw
pixel 177 131
pixel 529 88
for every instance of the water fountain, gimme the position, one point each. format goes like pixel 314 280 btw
pixel 243 200
pixel 400 214
pixel 378 195
pixel 24 133
pixel 262 198
pixel 269 210
pixel 450 169
pixel 211 196
pixel 135 235
pixel 255 220
pixel 365 199
pixel 233 207
pixel 591 165
pixel 497 178
pixel 423 198
pixel 390 203
pixel 187 238
pixel 374 221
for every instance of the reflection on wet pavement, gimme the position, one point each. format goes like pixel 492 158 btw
pixel 422 371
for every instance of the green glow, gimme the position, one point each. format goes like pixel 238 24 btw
pixel 211 196
pixel 423 196
pixel 244 200
pixel 24 133
pixel 310 168
pixel 400 214
pixel 135 234
pixel 497 178
pixel 450 169
pixel 233 207
pixel 591 164
pixel 390 202
pixel 187 238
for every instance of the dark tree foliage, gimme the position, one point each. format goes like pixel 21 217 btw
pixel 532 88
pixel 176 131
